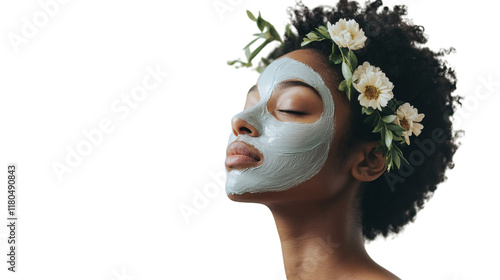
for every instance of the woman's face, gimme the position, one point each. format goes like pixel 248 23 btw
pixel 286 140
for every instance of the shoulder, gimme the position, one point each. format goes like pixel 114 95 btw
pixel 375 273
pixel 379 275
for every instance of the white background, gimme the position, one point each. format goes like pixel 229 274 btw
pixel 117 215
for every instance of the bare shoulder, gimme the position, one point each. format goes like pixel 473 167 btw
pixel 385 276
pixel 376 272
pixel 382 274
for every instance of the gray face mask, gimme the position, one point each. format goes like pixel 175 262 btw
pixel 292 152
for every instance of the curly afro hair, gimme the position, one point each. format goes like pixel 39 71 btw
pixel 421 77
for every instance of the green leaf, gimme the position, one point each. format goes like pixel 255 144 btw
pixel 382 137
pixel 249 44
pixel 265 61
pixel 232 62
pixel 269 36
pixel 370 110
pixel 397 160
pixel 397 150
pixel 312 36
pixel 247 54
pixel 369 119
pixel 258 49
pixel 353 61
pixel 250 15
pixel 386 152
pixel 403 158
pixel 335 49
pixel 260 23
pixel 349 91
pixel 396 137
pixel 395 128
pixel 388 138
pixel 264 35
pixel 389 118
pixel 305 42
pixel 377 117
pixel 379 149
pixel 388 162
pixel 274 33
pixel 346 72
pixel 343 85
pixel 335 58
pixel 373 120
pixel 379 127
pixel 392 105
pixel 345 51
pixel 323 30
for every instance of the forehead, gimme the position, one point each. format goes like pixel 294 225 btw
pixel 320 64
pixel 287 71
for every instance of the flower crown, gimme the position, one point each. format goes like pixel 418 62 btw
pixel 394 120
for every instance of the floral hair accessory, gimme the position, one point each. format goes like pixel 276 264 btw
pixel 394 120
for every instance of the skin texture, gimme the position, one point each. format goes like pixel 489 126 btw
pixel 319 228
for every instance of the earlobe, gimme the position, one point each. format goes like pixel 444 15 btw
pixel 370 164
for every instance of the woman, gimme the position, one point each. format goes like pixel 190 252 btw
pixel 304 149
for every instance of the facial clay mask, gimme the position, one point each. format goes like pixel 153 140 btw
pixel 292 152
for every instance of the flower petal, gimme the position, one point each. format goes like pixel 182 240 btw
pixel 419 118
pixel 417 128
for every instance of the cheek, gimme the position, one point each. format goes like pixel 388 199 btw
pixel 293 137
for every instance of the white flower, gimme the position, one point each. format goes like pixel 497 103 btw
pixel 375 89
pixel 347 34
pixel 408 117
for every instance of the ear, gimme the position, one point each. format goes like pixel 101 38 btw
pixel 369 164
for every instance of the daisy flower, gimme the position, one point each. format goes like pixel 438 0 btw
pixel 408 118
pixel 375 89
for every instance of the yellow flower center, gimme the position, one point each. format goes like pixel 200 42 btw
pixel 372 92
pixel 405 124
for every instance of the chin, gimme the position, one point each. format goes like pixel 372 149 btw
pixel 267 197
pixel 247 197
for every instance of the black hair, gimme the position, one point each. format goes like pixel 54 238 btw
pixel 420 77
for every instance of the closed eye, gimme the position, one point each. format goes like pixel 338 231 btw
pixel 293 112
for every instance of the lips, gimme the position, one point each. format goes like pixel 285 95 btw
pixel 240 155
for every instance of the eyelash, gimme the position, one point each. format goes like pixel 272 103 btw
pixel 292 112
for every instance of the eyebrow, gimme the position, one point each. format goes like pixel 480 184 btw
pixel 254 87
pixel 296 83
pixel 289 84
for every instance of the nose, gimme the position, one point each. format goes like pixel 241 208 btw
pixel 242 127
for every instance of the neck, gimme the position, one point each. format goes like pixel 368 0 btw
pixel 320 240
